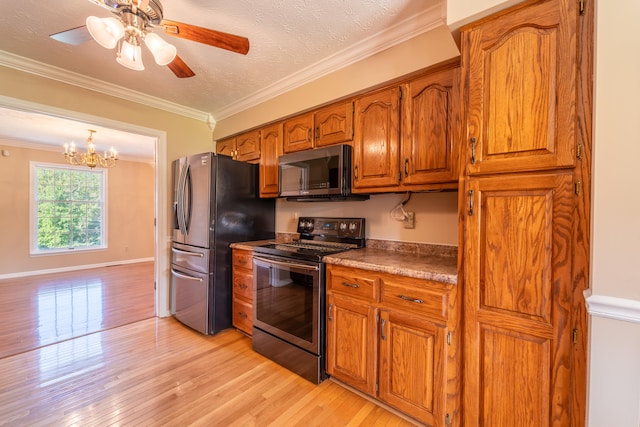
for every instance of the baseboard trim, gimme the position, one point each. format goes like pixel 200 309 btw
pixel 624 309
pixel 72 268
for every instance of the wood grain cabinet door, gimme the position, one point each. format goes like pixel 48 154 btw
pixel 518 299
pixel 248 146
pixel 521 80
pixel 412 365
pixel 271 147
pixel 351 342
pixel 226 147
pixel 431 129
pixel 334 124
pixel 298 133
pixel 376 141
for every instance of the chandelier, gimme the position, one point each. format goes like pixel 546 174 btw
pixel 128 32
pixel 90 159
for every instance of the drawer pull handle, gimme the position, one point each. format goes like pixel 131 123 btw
pixel 406 298
pixel 243 315
pixel 243 286
pixel 350 285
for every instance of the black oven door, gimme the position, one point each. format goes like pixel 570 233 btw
pixel 287 300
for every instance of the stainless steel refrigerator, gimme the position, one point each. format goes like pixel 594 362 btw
pixel 215 203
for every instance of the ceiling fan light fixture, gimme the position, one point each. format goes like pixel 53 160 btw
pixel 130 56
pixel 163 52
pixel 105 31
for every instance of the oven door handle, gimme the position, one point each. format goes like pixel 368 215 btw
pixel 287 263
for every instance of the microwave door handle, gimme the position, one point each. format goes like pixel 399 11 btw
pixel 287 264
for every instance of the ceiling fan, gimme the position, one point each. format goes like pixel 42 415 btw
pixel 135 21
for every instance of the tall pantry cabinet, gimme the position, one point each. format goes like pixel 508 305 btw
pixel 523 193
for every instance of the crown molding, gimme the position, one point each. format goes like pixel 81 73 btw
pixel 41 69
pixel 623 309
pixel 409 28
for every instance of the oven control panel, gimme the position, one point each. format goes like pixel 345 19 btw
pixel 331 227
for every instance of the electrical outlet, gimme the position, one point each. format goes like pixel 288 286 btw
pixel 410 220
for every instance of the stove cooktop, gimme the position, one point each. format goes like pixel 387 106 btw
pixel 319 237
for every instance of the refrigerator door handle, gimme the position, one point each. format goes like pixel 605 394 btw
pixel 180 251
pixel 185 276
pixel 188 190
pixel 180 201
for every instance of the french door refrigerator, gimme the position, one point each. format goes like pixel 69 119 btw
pixel 216 202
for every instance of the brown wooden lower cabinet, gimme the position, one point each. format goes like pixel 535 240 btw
pixel 397 339
pixel 242 294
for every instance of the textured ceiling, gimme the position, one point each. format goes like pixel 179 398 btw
pixel 290 42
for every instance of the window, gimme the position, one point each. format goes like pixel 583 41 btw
pixel 68 208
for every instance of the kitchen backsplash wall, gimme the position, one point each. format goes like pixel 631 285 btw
pixel 436 216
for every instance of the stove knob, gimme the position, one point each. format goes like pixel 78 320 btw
pixel 352 227
pixel 343 226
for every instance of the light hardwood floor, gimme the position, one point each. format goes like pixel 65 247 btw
pixel 157 372
pixel 49 308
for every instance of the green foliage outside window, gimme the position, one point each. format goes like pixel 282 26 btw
pixel 69 210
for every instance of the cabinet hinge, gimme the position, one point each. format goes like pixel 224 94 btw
pixel 577 188
pixel 400 90
pixel 579 152
pixel 581 6
pixel 449 338
pixel 155 285
pixel 447 420
pixel 574 336
pixel 376 387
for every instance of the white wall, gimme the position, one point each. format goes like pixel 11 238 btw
pixel 614 359
pixel 436 216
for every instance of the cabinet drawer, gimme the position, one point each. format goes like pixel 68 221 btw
pixel 242 259
pixel 242 317
pixel 418 300
pixel 352 282
pixel 243 284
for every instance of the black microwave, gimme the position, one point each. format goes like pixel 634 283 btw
pixel 316 175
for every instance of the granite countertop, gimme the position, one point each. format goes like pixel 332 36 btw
pixel 430 266
pixel 421 261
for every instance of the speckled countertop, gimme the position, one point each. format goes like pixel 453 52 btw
pixel 421 261
pixel 430 266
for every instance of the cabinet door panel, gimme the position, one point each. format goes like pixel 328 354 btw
pixel 521 83
pixel 518 298
pixel 271 147
pixel 376 157
pixel 334 124
pixel 226 147
pixel 351 343
pixel 411 366
pixel 298 133
pixel 432 129
pixel 248 146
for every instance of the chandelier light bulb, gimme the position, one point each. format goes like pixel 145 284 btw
pixel 130 56
pixel 105 31
pixel 163 52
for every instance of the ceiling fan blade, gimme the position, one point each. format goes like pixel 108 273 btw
pixel 204 35
pixel 180 69
pixel 74 36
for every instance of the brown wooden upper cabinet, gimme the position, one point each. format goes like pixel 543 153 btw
pixel 521 93
pixel 244 147
pixel 407 138
pixel 327 126
pixel 376 141
pixel 271 142
pixel 431 129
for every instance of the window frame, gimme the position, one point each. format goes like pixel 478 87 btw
pixel 34 250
